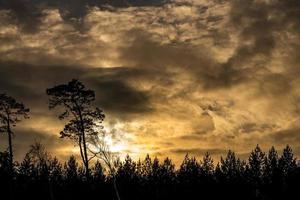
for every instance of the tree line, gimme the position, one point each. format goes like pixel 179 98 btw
pixel 261 176
pixel 41 176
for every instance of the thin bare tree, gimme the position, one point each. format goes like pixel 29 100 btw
pixel 101 149
pixel 11 112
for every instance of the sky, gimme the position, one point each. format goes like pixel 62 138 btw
pixel 172 76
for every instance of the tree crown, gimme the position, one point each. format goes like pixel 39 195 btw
pixel 11 111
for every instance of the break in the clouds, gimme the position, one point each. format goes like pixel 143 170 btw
pixel 172 76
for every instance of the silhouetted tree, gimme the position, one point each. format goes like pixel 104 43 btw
pixel 84 119
pixel 4 163
pixel 272 175
pixel 167 171
pixel 231 168
pixel 11 112
pixel 255 169
pixel 271 168
pixel 98 173
pixel 27 168
pixel 41 159
pixel 42 162
pixel 71 169
pixel 127 177
pixel 154 172
pixel 56 171
pixel 127 170
pixel 288 166
pixel 189 177
pixel 189 171
pixel 287 162
pixel 146 168
pixel 207 166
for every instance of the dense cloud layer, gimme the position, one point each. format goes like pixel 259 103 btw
pixel 168 74
pixel 28 14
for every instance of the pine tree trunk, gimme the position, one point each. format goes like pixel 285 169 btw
pixel 86 161
pixel 10 147
pixel 81 151
pixel 87 174
pixel 10 159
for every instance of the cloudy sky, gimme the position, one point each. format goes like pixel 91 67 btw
pixel 172 76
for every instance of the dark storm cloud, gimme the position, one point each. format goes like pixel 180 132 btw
pixel 143 51
pixel 116 96
pixel 260 24
pixel 132 73
pixel 28 83
pixel 28 13
pixel 255 39
pixel 252 18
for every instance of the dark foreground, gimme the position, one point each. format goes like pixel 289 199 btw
pixel 263 176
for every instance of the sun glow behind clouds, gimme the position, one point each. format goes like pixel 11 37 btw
pixel 119 141
pixel 112 139
pixel 115 146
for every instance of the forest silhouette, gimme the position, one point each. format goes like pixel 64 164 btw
pixel 101 174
